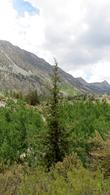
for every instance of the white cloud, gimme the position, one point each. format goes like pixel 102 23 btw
pixel 100 71
pixel 25 31
pixel 77 33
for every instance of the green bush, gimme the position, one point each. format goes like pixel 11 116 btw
pixel 74 181
pixel 83 119
pixel 20 128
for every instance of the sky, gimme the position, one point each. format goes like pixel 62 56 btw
pixel 75 32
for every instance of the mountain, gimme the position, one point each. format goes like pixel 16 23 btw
pixel 22 70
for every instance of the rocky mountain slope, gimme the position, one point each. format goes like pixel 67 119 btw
pixel 22 70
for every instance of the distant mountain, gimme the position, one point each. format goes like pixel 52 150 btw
pixel 22 70
pixel 102 87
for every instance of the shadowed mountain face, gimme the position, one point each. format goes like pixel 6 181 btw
pixel 22 70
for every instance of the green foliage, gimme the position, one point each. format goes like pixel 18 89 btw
pixel 83 119
pixel 68 177
pixel 25 132
pixel 19 130
pixel 23 127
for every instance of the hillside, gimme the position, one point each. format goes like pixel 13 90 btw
pixel 22 70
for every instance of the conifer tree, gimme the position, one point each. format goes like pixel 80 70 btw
pixel 56 139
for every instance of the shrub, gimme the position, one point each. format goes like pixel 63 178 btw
pixel 32 98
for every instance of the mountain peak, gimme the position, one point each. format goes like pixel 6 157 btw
pixel 105 82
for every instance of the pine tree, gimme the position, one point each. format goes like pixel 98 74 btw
pixel 57 144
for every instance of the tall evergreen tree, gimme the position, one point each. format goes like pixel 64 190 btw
pixel 56 139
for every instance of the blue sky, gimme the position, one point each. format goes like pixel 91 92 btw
pixel 22 6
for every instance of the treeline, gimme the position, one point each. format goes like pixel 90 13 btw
pixel 31 97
